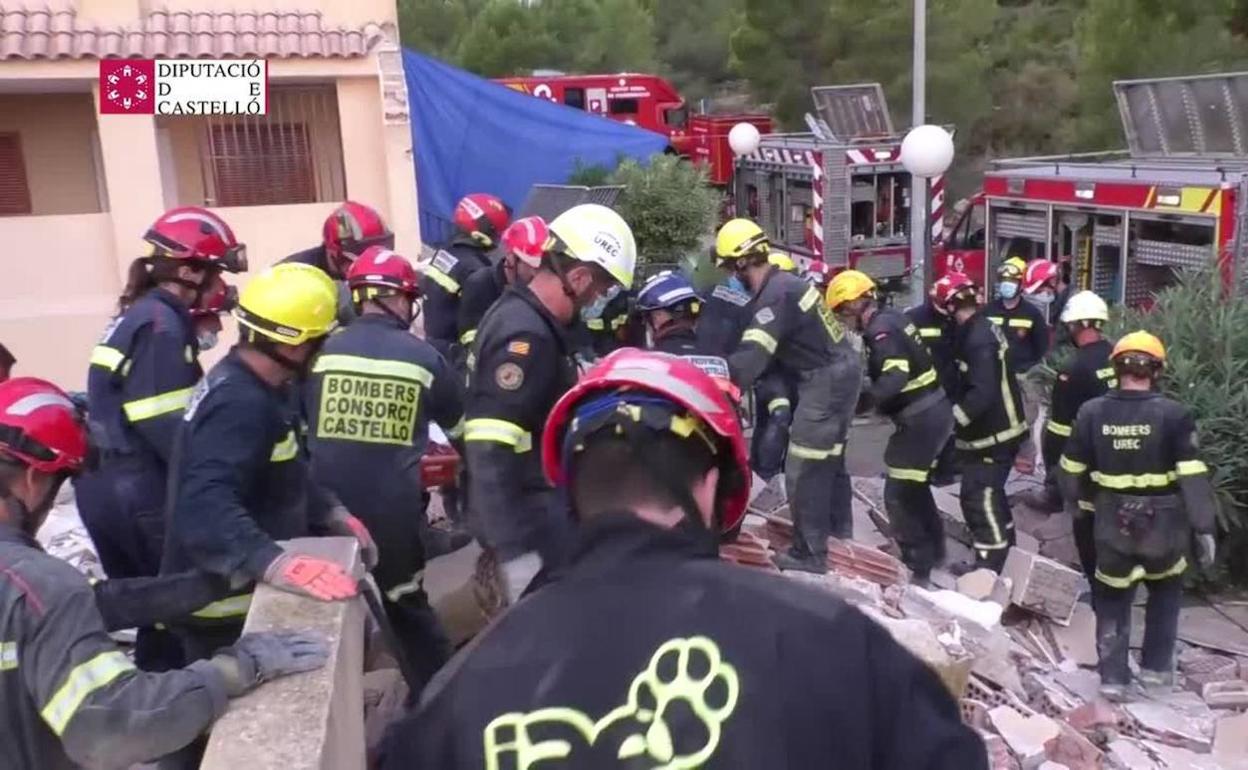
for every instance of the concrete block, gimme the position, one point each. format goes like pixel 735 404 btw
pixel 1232 694
pixel 1167 724
pixel 310 721
pixel 1042 585
pixel 1201 668
pixel 1077 641
pixel 978 585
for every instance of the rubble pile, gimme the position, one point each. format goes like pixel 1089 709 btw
pixel 1018 651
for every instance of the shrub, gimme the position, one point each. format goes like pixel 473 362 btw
pixel 1206 338
pixel 669 205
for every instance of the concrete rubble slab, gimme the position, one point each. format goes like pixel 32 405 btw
pixel 1175 757
pixel 1129 754
pixel 1025 735
pixel 1230 742
pixel 1072 750
pixel 1201 667
pixel 1042 585
pixel 1077 641
pixel 1226 695
pixel 977 585
pixel 1164 723
pixel 918 637
pixel 1205 627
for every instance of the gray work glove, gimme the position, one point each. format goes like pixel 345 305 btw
pixel 258 657
pixel 1206 551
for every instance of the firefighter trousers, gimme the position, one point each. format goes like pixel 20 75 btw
pixel 773 415
pixel 911 453
pixel 1083 525
pixel 1051 446
pixel 815 478
pixel 985 506
pixel 122 506
pixel 1113 627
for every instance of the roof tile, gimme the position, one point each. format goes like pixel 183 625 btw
pixel 43 33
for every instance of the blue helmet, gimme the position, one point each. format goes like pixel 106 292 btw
pixel 667 290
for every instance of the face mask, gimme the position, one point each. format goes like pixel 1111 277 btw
pixel 1007 290
pixel 594 309
pixel 207 341
pixel 735 282
pixel 1044 298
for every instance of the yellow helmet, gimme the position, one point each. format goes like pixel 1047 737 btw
pixel 782 261
pixel 1140 342
pixel 739 238
pixel 848 286
pixel 289 303
pixel 1012 269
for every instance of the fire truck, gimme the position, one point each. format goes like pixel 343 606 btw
pixel 649 102
pixel 838 196
pixel 1123 223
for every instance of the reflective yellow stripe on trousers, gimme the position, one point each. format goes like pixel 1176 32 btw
pixel 157 405
pixel 499 432
pixel 810 453
pixel 1138 573
pixel 907 474
pixel 1132 480
pixel 1058 429
pixel 83 680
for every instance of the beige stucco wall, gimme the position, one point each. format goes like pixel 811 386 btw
pixel 56 133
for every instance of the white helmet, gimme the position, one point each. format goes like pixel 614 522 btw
pixel 1085 306
pixel 594 233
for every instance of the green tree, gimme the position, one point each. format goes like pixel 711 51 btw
pixel 692 39
pixel 780 48
pixel 504 39
pixel 620 39
pixel 436 26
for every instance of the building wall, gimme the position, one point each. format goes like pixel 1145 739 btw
pixel 57 136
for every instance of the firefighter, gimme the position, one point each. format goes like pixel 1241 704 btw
pixel 936 328
pixel 1135 452
pixel 139 381
pixel 373 390
pixel 524 362
pixel 611 330
pixel 1027 332
pixel 69 697
pixel 669 308
pixel 988 412
pixel 700 661
pixel 725 314
pixel 1087 375
pixel 479 221
pixel 238 479
pixel 6 363
pixel 206 316
pixel 348 231
pixel 793 327
pixel 1041 287
pixel 905 388
pixel 522 244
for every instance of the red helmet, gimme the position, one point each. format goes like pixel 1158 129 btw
pixel 1038 273
pixel 949 287
pixel 684 386
pixel 195 233
pixel 378 266
pixel 526 239
pixel 482 217
pixel 39 426
pixel 218 298
pixel 352 228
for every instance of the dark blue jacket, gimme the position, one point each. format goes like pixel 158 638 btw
pixel 373 390
pixel 238 482
pixel 442 284
pixel 141 377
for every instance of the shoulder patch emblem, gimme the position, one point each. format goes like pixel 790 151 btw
pixel 765 316
pixel 444 261
pixel 730 295
pixel 518 347
pixel 509 376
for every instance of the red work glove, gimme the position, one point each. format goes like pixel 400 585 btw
pixel 344 524
pixel 309 576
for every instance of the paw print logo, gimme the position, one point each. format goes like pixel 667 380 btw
pixel 673 718
pixel 127 86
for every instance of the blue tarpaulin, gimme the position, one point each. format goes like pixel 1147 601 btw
pixel 471 135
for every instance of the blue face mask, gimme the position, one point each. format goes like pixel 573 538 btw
pixel 594 310
pixel 1007 290
pixel 735 283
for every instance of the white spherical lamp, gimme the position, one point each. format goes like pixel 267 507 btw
pixel 744 139
pixel 927 151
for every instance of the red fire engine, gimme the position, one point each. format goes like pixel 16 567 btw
pixel 839 196
pixel 1123 222
pixel 649 102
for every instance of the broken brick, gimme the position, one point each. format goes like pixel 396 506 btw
pixel 1042 585
pixel 1232 694
pixel 854 559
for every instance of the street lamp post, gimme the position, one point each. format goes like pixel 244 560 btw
pixel 920 206
pixel 926 152
pixel 743 139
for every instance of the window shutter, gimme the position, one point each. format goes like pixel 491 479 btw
pixel 14 192
pixel 260 165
